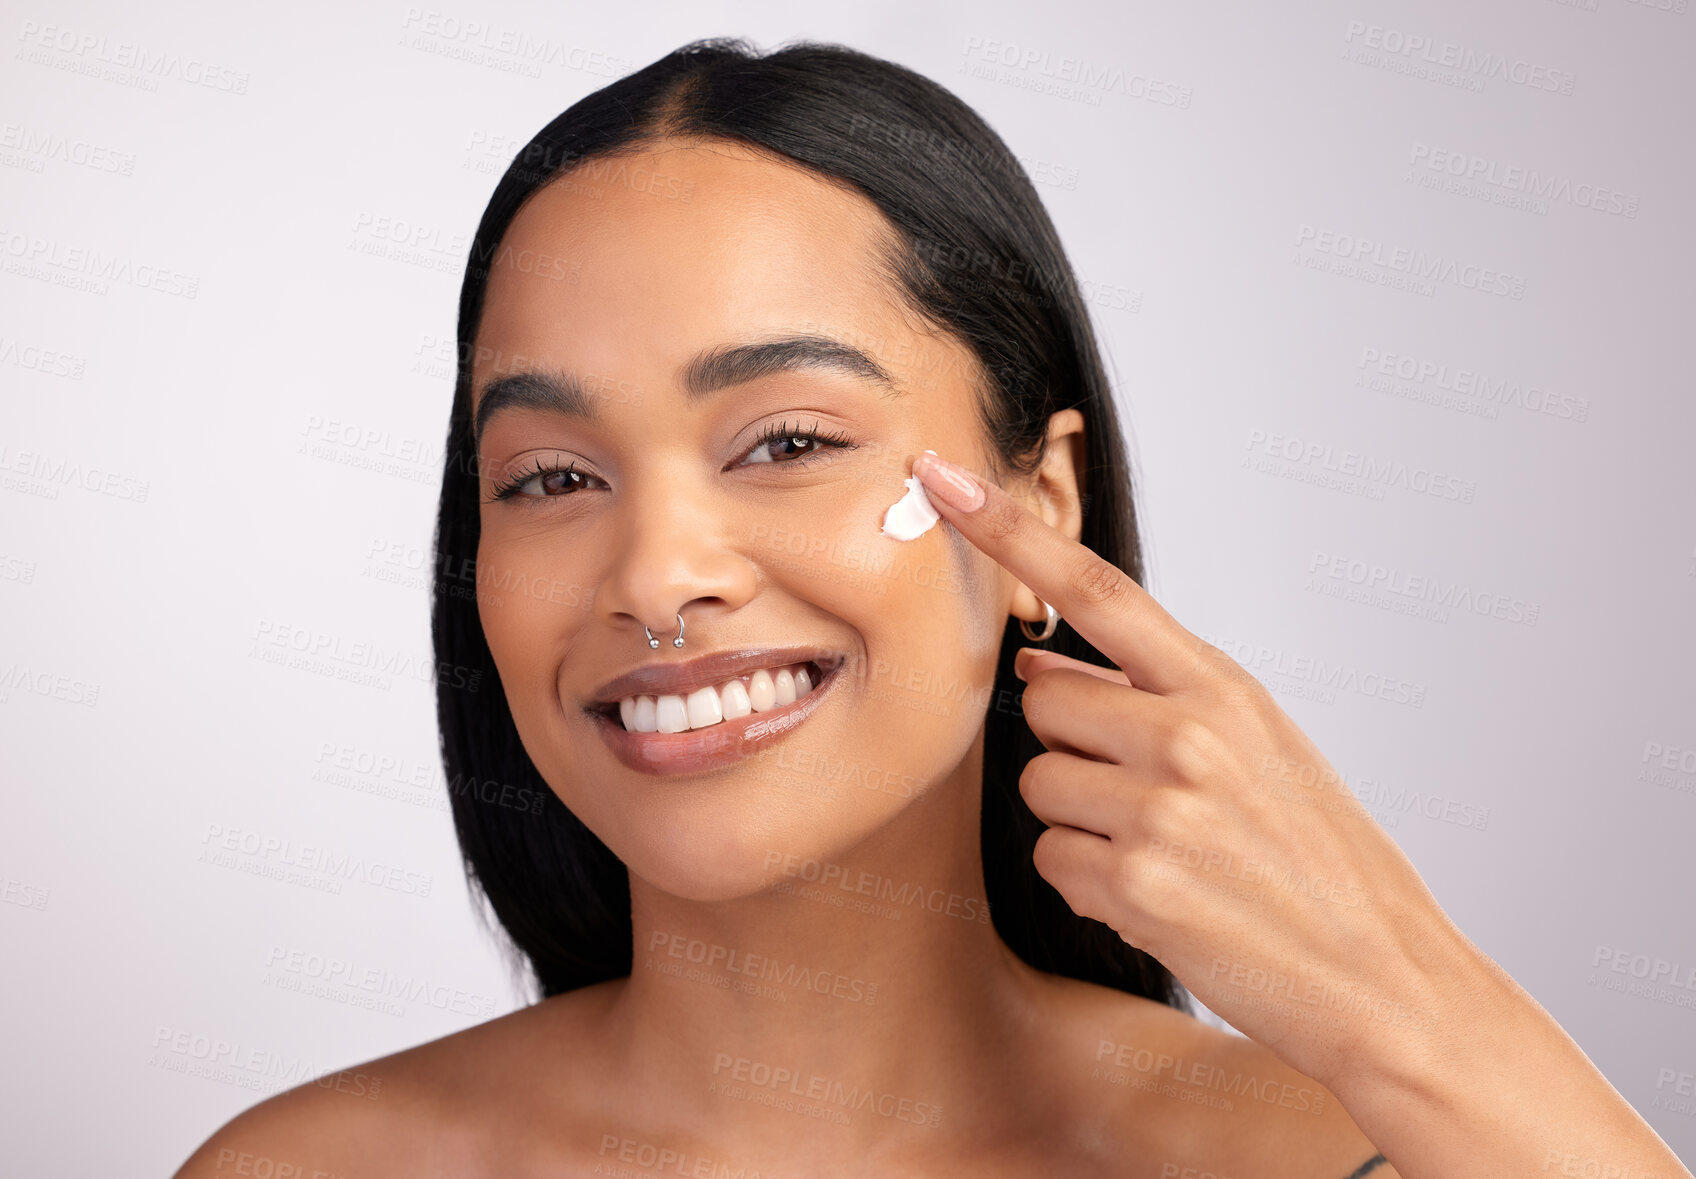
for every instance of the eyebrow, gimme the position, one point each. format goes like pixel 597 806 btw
pixel 707 372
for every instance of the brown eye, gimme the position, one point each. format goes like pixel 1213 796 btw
pixel 796 445
pixel 554 482
pixel 561 482
pixel 763 453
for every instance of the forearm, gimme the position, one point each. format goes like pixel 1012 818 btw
pixel 1492 1087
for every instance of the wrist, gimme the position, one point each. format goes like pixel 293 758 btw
pixel 1490 1084
pixel 1455 1012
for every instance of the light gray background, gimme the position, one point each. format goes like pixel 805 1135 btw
pixel 191 485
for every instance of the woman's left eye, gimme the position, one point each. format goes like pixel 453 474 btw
pixel 783 436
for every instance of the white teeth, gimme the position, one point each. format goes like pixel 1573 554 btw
pixel 736 702
pixel 762 691
pixel 670 716
pixel 704 708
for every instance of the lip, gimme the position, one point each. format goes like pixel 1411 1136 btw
pixel 680 679
pixel 716 745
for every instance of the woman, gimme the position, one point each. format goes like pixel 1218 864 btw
pixel 816 890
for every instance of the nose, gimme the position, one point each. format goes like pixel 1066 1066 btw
pixel 672 561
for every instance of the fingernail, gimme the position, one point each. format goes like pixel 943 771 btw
pixel 953 484
pixel 1023 653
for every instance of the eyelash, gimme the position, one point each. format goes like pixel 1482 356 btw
pixel 511 489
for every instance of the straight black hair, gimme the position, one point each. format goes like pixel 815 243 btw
pixel 972 251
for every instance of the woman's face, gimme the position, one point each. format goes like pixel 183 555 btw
pixel 620 275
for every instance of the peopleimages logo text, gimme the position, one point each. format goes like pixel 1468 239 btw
pixel 1462 58
pixel 1414 262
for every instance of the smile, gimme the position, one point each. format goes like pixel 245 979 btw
pixel 715 725
pixel 762 691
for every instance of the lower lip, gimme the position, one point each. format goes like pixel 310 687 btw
pixel 718 745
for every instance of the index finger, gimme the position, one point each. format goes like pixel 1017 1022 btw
pixel 1100 601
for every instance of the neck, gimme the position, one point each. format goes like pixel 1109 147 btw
pixel 855 997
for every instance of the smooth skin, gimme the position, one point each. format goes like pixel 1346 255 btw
pixel 974 1063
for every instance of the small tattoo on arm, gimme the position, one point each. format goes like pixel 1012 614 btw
pixel 1367 1167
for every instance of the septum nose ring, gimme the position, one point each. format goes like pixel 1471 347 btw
pixel 677 642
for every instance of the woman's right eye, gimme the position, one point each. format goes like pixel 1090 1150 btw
pixel 555 481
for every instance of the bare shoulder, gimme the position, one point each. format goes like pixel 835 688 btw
pixel 445 1107
pixel 1193 1099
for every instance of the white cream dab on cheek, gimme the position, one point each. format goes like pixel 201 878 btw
pixel 912 515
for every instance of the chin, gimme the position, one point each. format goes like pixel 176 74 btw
pixel 698 873
pixel 729 854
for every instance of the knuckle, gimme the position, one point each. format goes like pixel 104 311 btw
pixel 1214 659
pixel 1098 582
pixel 1194 752
pixel 1210 654
pixel 1201 655
pixel 1179 817
pixel 1164 820
pixel 1044 854
pixel 1032 778
pixel 1222 666
pixel 1003 518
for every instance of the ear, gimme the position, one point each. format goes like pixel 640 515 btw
pixel 1056 494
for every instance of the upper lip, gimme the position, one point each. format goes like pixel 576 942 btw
pixel 679 679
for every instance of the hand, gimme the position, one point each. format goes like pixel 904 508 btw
pixel 1188 812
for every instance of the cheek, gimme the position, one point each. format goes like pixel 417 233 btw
pixel 977 586
pixel 529 611
pixel 925 610
pixel 951 591
pixel 826 547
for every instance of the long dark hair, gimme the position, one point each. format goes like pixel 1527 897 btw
pixel 973 252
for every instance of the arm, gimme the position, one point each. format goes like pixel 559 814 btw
pixel 1494 1087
